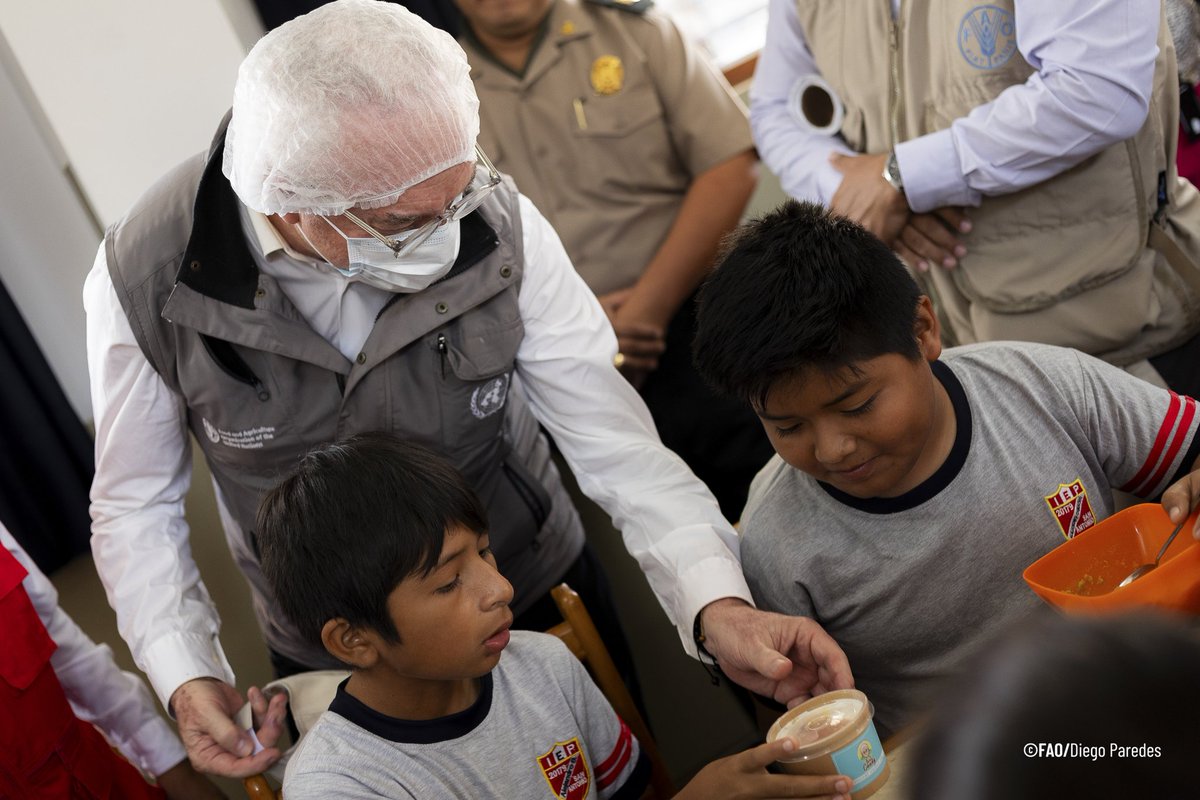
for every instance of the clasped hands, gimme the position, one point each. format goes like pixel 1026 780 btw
pixel 922 240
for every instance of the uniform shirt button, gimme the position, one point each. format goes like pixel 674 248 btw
pixel 362 358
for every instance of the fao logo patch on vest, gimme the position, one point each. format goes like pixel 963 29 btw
pixel 489 398
pixel 252 439
pixel 987 37
pixel 566 770
pixel 1071 508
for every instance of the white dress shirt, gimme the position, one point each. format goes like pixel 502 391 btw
pixel 1095 70
pixel 113 700
pixel 670 522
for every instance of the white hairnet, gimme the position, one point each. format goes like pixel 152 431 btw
pixel 348 105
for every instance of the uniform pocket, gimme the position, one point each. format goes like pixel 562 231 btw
pixel 621 140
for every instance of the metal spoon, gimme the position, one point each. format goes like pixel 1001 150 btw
pixel 1144 568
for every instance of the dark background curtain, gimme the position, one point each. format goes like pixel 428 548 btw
pixel 439 13
pixel 46 456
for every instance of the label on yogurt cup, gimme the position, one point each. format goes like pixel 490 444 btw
pixel 861 760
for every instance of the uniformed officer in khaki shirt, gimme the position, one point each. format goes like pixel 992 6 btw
pixel 639 153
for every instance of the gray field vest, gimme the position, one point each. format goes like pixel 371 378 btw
pixel 262 388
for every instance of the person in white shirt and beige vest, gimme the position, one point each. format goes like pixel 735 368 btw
pixel 639 153
pixel 1019 155
pixel 345 259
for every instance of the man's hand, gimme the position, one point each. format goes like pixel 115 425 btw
pixel 1179 500
pixel 744 775
pixel 928 239
pixel 865 197
pixel 789 659
pixel 183 782
pixel 204 709
pixel 639 340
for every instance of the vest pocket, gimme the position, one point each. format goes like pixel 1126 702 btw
pixel 475 352
pixel 1031 249
pixel 518 511
pixel 472 362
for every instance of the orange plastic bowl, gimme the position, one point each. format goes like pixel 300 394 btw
pixel 1082 574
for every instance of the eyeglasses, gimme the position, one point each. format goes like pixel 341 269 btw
pixel 471 199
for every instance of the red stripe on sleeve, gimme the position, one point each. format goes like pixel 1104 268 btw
pixel 1160 441
pixel 1189 413
pixel 609 769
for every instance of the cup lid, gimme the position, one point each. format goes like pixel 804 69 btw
pixel 823 723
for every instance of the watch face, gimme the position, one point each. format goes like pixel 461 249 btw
pixel 891 171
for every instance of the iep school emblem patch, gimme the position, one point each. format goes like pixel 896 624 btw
pixel 987 37
pixel 565 769
pixel 1071 508
pixel 489 398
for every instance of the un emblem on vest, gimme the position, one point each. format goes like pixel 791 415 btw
pixel 987 37
pixel 211 430
pixel 489 398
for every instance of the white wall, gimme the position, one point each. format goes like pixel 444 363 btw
pixel 47 240
pixel 130 87
pixel 119 91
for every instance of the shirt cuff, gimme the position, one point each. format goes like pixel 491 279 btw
pixel 706 582
pixel 155 747
pixel 931 173
pixel 178 658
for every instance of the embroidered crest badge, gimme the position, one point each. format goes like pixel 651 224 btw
pixel 987 37
pixel 565 769
pixel 1071 508
pixel 489 398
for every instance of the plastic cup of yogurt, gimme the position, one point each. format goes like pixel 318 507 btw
pixel 834 735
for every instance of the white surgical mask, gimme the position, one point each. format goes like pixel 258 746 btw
pixel 373 263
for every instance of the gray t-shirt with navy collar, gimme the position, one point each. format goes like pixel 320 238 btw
pixel 910 586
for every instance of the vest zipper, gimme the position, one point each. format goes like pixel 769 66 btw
pixel 531 500
pixel 441 348
pixel 233 365
pixel 896 98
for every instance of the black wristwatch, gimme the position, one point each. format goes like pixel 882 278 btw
pixel 891 172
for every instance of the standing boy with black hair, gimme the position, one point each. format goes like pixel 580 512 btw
pixel 377 549
pixel 911 487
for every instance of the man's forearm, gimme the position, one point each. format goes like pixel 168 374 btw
pixel 712 207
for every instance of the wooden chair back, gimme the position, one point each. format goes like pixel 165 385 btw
pixel 579 634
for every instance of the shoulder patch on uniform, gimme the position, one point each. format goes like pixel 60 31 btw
pixel 635 6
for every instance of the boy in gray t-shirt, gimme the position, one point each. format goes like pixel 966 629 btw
pixel 911 487
pixel 378 549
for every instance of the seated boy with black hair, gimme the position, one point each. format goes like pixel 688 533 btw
pixel 912 486
pixel 378 549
